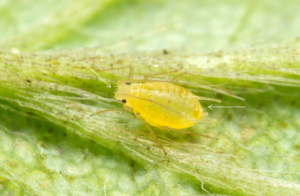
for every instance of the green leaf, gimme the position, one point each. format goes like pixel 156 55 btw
pixel 51 145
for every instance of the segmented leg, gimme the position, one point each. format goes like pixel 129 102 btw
pixel 153 134
pixel 185 131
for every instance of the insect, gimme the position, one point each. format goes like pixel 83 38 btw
pixel 161 104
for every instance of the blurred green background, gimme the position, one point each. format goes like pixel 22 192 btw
pixel 49 144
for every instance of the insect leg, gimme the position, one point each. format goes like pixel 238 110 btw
pixel 130 75
pixel 185 131
pixel 153 134
pixel 113 110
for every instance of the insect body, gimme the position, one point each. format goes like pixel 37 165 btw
pixel 161 104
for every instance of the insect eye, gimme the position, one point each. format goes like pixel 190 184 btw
pixel 128 83
pixel 124 100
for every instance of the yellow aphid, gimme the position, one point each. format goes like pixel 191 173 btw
pixel 161 104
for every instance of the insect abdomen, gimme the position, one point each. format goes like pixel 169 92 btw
pixel 165 104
